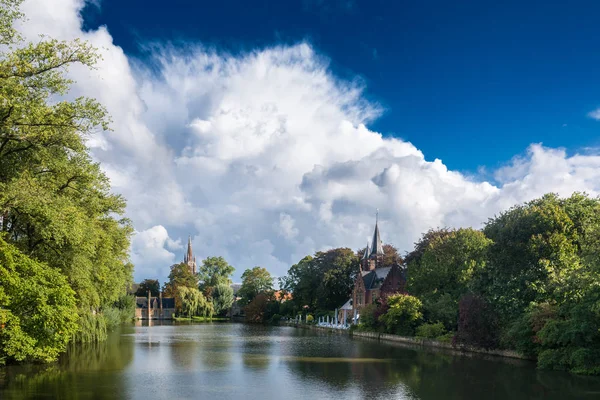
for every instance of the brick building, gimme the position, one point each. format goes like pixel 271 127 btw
pixel 154 307
pixel 375 280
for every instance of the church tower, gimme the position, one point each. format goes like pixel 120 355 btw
pixel 375 258
pixel 189 258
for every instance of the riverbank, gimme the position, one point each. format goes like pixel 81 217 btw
pixel 200 319
pixel 414 341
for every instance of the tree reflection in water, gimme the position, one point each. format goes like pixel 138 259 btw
pixel 231 361
pixel 65 380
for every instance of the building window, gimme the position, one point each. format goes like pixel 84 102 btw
pixel 360 298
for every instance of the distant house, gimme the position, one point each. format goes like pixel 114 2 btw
pixel 154 307
pixel 374 280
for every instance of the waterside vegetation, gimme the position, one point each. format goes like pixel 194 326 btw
pixel 64 242
pixel 529 282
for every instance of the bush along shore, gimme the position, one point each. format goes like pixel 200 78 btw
pixel 415 341
pixel 528 282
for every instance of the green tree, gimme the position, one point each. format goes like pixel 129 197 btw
pixel 324 281
pixel 214 271
pixel 444 270
pixel 403 315
pixel 37 308
pixel 533 255
pixel 222 298
pixel 338 269
pixel 180 276
pixel 151 285
pixel 254 281
pixel 55 202
pixel 193 302
pixel 302 280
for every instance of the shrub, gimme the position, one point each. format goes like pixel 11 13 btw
pixel 522 334
pixel 367 316
pixel 442 308
pixel 431 331
pixel 382 308
pixel 403 314
pixel 275 319
pixel 309 318
pixel 446 338
pixel 477 323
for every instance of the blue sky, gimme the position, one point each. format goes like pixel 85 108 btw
pixel 472 83
pixel 252 126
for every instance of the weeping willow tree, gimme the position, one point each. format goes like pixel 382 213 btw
pixel 193 303
pixel 56 207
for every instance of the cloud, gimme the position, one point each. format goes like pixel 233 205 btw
pixel 266 156
pixel 595 114
pixel 152 244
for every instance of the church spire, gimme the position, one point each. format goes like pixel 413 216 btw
pixel 189 256
pixel 366 255
pixel 376 245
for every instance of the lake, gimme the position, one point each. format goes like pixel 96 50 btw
pixel 238 361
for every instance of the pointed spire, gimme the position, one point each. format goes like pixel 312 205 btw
pixel 189 256
pixel 366 255
pixel 377 245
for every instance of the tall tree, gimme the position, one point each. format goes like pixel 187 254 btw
pixel 146 285
pixel 214 271
pixel 534 252
pixel 55 202
pixel 180 276
pixel 338 269
pixel 324 281
pixel 254 281
pixel 222 298
pixel 445 269
pixel 302 280
pixel 37 308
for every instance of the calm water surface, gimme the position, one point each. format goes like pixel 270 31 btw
pixel 236 361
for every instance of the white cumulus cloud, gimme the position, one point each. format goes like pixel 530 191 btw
pixel 266 156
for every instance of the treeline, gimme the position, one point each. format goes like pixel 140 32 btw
pixel 529 281
pixel 209 292
pixel 63 242
pixel 321 283
pixel 206 294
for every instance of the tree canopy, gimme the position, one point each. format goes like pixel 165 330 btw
pixel 222 298
pixel 444 269
pixel 180 276
pixel 214 271
pixel 56 205
pixel 324 281
pixel 254 281
pixel 37 308
pixel 146 285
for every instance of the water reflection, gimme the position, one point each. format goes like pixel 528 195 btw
pixel 240 361
pixel 65 379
